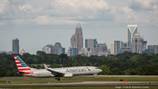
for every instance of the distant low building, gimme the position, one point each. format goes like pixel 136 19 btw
pixel 118 47
pixel 93 48
pixel 54 49
pixel 90 47
pixel 152 49
pixel 101 50
pixel 58 49
pixel 73 52
pixel 87 51
pixel 48 49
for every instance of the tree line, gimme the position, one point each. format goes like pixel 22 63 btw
pixel 122 64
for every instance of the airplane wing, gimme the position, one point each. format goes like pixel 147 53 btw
pixel 56 73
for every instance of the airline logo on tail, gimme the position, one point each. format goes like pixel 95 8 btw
pixel 22 66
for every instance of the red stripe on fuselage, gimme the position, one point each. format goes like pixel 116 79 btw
pixel 24 68
pixel 17 61
pixel 26 71
pixel 18 64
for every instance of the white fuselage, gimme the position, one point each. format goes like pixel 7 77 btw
pixel 40 73
pixel 66 71
pixel 79 70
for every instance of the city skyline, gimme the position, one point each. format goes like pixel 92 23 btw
pixel 104 20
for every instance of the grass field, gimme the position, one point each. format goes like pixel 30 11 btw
pixel 28 80
pixel 79 88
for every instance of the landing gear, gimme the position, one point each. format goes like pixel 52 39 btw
pixel 57 78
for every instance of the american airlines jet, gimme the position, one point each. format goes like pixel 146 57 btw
pixel 25 70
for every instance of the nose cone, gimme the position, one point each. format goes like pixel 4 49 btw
pixel 99 70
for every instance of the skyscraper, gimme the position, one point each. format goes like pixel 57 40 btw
pixel 90 43
pixel 73 41
pixel 138 43
pixel 118 47
pixel 15 46
pixel 77 38
pixel 132 30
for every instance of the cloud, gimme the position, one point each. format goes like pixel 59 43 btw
pixel 3 5
pixel 145 5
pixel 145 11
pixel 25 7
pixel 148 4
pixel 55 20
pixel 42 20
pixel 66 11
pixel 78 7
pixel 71 11
pixel 123 14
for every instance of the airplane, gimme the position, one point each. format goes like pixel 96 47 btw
pixel 25 70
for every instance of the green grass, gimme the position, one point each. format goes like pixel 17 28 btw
pixel 28 80
pixel 81 88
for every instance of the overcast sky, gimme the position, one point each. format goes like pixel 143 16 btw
pixel 37 23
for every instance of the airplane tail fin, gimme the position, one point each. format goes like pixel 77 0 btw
pixel 22 67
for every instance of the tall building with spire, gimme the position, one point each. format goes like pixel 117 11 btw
pixel 132 30
pixel 136 43
pixel 77 38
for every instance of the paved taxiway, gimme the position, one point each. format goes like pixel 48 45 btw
pixel 87 84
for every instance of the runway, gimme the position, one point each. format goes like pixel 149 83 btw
pixel 115 84
pixel 123 76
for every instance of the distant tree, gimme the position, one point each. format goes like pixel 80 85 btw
pixel 123 64
pixel 105 69
pixel 63 59
pixel 38 53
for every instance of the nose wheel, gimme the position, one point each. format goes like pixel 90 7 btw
pixel 57 78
